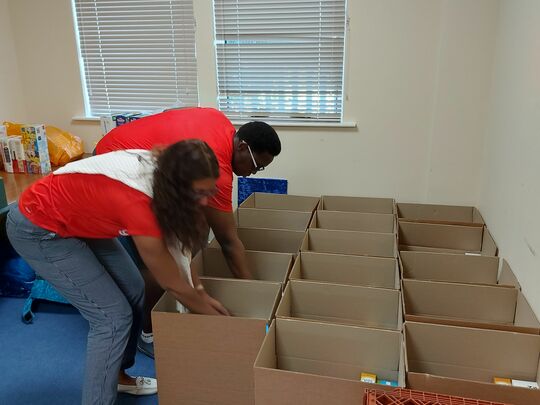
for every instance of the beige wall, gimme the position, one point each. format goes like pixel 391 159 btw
pixel 511 181
pixel 11 96
pixel 416 86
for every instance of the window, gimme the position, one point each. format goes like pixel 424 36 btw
pixel 137 55
pixel 280 60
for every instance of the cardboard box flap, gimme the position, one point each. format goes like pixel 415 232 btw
pixel 489 247
pixel 353 221
pixel 344 344
pixel 440 236
pixel 507 276
pixel 266 266
pixel 525 315
pixel 504 353
pixel 281 202
pixel 482 303
pixel 245 298
pixel 267 354
pixel 268 240
pixel 346 269
pixel 436 212
pixel 272 219
pixel 358 204
pixel 449 267
pixel 350 243
pixel 356 305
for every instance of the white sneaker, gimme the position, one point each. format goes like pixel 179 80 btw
pixel 143 386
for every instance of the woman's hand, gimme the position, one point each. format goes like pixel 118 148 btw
pixel 218 306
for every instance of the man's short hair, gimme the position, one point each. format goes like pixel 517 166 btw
pixel 260 137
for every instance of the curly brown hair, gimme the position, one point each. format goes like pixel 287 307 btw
pixel 174 204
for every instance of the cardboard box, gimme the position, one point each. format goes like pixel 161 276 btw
pixel 350 243
pixel 445 238
pixel 315 363
pixel 449 267
pixel 268 240
pixel 346 269
pixel 281 202
pixel 472 305
pixel 358 204
pixel 463 361
pixel 353 221
pixel 342 304
pixel 442 214
pixel 272 219
pixel 266 266
pixel 36 150
pixel 202 359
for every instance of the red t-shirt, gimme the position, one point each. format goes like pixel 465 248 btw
pixel 166 128
pixel 88 206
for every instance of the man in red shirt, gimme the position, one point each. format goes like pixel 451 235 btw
pixel 243 152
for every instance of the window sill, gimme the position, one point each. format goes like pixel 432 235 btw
pixel 277 124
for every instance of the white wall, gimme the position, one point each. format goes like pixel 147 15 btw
pixel 416 86
pixel 511 180
pixel 12 106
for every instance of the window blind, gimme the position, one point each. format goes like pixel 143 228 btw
pixel 137 55
pixel 280 60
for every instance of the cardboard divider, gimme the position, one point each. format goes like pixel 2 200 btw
pixel 472 305
pixel 437 213
pixel 369 271
pixel 306 362
pixel 268 240
pixel 350 243
pixel 272 219
pixel 209 359
pixel 342 304
pixel 463 361
pixel 353 221
pixel 429 237
pixel 281 202
pixel 358 204
pixel 266 266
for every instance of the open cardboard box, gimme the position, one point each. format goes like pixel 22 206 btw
pixel 358 204
pixel 281 202
pixel 442 214
pixel 268 240
pixel 463 361
pixel 343 304
pixel 445 238
pixel 272 219
pixel 456 268
pixel 472 305
pixel 353 221
pixel 369 271
pixel 266 266
pixel 350 243
pixel 202 359
pixel 316 363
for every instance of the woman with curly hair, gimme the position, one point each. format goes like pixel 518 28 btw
pixel 65 226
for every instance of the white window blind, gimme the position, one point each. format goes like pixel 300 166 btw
pixel 280 60
pixel 137 55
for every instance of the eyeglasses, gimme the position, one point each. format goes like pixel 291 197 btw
pixel 257 168
pixel 200 194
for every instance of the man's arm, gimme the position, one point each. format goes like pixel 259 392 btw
pixel 224 228
pixel 162 265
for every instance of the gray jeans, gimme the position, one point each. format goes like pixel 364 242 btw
pixel 99 278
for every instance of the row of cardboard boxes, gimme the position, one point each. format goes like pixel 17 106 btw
pixel 341 313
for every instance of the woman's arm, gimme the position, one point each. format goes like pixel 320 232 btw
pixel 161 264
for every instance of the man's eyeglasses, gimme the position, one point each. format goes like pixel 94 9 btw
pixel 200 194
pixel 257 168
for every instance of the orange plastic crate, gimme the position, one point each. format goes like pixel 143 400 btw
pixel 401 396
